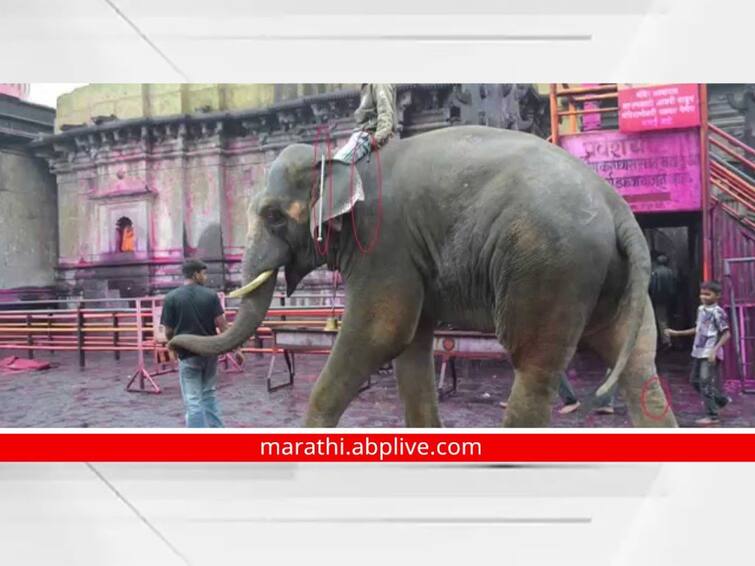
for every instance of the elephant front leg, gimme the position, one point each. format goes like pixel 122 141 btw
pixel 415 373
pixel 353 359
pixel 371 335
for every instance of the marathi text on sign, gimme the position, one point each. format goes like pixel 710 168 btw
pixel 659 107
pixel 653 171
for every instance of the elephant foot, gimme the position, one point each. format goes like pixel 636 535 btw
pixel 529 406
pixel 429 419
pixel 321 420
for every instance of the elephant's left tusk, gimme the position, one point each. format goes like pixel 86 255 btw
pixel 249 287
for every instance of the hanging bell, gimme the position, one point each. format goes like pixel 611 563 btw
pixel 331 324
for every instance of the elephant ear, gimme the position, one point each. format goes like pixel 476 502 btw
pixel 341 190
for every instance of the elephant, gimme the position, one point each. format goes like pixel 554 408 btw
pixel 483 228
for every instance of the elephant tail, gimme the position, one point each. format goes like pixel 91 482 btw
pixel 632 245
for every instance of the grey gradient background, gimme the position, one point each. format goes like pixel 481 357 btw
pixel 216 514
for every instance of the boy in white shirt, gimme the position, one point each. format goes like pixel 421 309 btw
pixel 711 332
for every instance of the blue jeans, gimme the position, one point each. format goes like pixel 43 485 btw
pixel 198 377
pixel 356 148
pixel 704 378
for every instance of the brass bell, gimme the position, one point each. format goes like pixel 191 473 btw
pixel 331 324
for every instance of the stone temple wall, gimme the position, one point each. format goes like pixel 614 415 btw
pixel 28 224
pixel 28 217
pixel 182 182
pixel 128 101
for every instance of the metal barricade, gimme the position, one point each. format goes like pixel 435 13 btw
pixel 739 277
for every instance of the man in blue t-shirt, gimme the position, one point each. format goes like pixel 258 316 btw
pixel 195 309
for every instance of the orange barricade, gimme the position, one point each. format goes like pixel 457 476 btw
pixel 132 325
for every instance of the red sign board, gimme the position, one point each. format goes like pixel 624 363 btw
pixel 659 107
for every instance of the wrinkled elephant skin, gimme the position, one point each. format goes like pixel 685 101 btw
pixel 483 228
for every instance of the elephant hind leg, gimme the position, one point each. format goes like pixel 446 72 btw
pixel 639 382
pixel 530 399
pixel 536 377
pixel 540 353
pixel 415 373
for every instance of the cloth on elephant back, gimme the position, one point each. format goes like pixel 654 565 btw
pixel 330 210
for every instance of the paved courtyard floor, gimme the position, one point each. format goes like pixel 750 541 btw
pixel 95 396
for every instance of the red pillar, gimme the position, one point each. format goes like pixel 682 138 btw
pixel 555 122
pixel 707 236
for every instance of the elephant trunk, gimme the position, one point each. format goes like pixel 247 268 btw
pixel 252 311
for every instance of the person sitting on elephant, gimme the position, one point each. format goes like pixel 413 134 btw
pixel 376 122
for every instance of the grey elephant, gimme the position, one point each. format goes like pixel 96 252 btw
pixel 487 229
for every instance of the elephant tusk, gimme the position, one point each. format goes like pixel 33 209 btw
pixel 249 287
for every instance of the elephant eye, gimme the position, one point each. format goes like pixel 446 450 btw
pixel 275 217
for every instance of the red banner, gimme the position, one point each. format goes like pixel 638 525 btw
pixel 378 447
pixel 659 107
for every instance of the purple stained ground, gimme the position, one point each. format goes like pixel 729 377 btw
pixel 95 397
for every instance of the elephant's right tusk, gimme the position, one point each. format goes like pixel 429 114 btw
pixel 249 287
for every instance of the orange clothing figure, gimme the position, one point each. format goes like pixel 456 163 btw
pixel 128 241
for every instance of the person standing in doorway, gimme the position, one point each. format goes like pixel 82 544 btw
pixel 195 309
pixel 662 293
